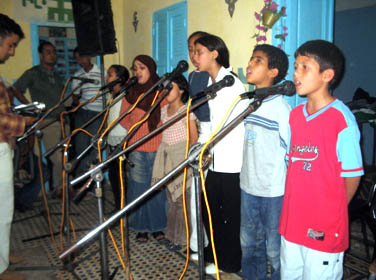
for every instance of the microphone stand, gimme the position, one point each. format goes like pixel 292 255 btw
pixel 36 125
pixel 191 158
pixel 117 154
pixel 162 83
pixel 69 166
pixel 60 144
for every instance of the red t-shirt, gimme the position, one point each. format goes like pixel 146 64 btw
pixel 324 148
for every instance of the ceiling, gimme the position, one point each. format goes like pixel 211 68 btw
pixel 342 5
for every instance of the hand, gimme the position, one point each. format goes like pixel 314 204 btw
pixel 30 120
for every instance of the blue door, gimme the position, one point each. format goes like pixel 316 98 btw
pixel 170 37
pixel 306 20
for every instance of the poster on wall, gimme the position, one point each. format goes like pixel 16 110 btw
pixel 58 11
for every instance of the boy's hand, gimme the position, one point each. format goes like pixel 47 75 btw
pixel 351 185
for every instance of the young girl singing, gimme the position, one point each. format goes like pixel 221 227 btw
pixel 150 215
pixel 117 133
pixel 222 180
pixel 171 152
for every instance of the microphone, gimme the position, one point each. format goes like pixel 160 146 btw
pixel 86 80
pixel 227 81
pixel 286 88
pixel 131 82
pixel 180 68
pixel 29 109
pixel 82 191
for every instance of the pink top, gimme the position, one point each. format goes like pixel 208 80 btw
pixel 176 132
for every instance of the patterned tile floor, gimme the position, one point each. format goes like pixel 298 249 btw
pixel 151 260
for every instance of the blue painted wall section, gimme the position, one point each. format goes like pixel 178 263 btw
pixel 306 20
pixel 353 36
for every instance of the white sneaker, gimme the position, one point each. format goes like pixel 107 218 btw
pixel 194 256
pixel 210 269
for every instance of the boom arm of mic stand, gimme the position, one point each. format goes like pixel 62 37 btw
pixel 93 233
pixel 160 83
pixel 60 144
pixel 72 164
pixel 130 134
pixel 34 127
pixel 115 154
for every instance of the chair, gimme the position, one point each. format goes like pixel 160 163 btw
pixel 363 208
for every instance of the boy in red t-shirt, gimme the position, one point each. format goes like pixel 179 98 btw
pixel 324 171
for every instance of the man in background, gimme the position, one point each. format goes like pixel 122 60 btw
pixel 45 85
pixel 83 91
pixel 11 125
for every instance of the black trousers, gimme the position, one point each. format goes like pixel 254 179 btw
pixel 223 191
pixel 113 175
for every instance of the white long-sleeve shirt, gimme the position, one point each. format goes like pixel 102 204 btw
pixel 228 151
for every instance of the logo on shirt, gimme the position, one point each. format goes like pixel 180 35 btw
pixel 304 153
pixel 251 136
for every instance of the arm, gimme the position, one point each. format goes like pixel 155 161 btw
pixel 76 99
pixel 351 185
pixel 16 93
pixel 76 90
pixel 193 133
pixel 10 124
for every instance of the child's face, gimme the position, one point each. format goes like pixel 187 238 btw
pixel 141 71
pixel 307 76
pixel 204 57
pixel 111 75
pixel 191 49
pixel 258 72
pixel 174 94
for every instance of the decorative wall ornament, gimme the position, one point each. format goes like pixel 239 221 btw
pixel 231 6
pixel 135 21
pixel 267 17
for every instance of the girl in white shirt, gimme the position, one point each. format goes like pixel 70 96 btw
pixel 222 180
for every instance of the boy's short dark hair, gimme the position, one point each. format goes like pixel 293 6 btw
pixel 277 59
pixel 8 27
pixel 42 44
pixel 183 85
pixel 327 55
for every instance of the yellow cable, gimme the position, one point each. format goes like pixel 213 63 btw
pixel 61 99
pixel 203 183
pixel 121 166
pixel 116 248
pixel 184 195
pixel 65 159
pixel 111 124
pixel 40 165
pixel 63 186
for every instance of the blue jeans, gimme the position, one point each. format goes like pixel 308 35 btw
pixel 259 236
pixel 150 215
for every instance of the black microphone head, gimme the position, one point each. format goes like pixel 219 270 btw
pixel 229 80
pixel 96 82
pixel 132 81
pixel 288 88
pixel 182 66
